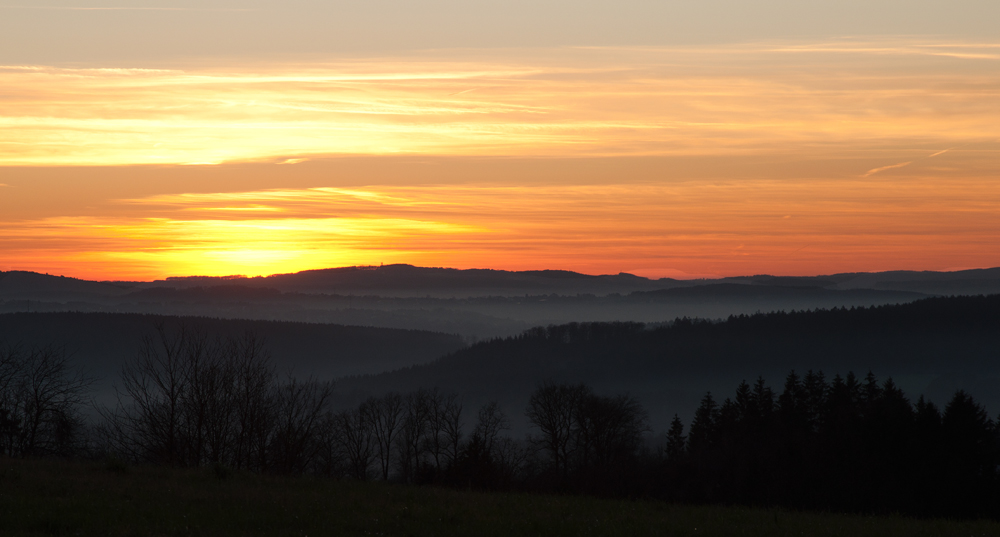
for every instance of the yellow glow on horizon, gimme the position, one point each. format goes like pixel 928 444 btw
pixel 717 228
pixel 158 246
pixel 865 155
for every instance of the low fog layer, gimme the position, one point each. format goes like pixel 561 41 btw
pixel 477 304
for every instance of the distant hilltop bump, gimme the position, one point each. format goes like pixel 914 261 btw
pixel 402 280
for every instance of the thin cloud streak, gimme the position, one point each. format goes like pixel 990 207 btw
pixel 694 227
pixel 807 139
pixel 884 168
pixel 904 164
pixel 558 102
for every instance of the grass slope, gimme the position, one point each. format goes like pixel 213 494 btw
pixel 61 498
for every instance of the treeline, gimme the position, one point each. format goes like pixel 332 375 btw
pixel 100 342
pixel 845 444
pixel 953 339
pixel 189 400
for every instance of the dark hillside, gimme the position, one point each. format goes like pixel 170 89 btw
pixel 100 342
pixel 408 280
pixel 411 281
pixel 932 346
pixel 481 317
pixel 962 282
pixel 19 285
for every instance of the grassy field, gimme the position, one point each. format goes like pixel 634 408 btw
pixel 60 498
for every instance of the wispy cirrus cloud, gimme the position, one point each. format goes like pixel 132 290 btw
pixel 731 227
pixel 873 171
pixel 557 102
pixel 790 145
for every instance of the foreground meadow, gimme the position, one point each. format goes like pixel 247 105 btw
pixel 74 498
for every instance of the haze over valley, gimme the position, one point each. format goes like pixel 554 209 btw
pixel 477 304
pixel 373 330
pixel 471 267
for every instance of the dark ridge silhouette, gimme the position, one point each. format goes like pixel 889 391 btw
pixel 774 291
pixel 932 346
pixel 16 284
pixel 216 292
pixel 408 280
pixel 101 342
pixel 411 281
pixel 477 317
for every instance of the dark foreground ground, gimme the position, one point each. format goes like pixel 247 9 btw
pixel 60 498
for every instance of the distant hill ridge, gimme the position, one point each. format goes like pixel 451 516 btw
pixel 411 281
pixel 932 346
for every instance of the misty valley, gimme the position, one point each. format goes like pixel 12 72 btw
pixel 804 393
pixel 446 268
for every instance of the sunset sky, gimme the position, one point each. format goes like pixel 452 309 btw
pixel 140 140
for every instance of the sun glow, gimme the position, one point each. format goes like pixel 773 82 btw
pixel 576 101
pixel 715 228
pixel 787 158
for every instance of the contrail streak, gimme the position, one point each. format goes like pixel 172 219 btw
pixel 883 168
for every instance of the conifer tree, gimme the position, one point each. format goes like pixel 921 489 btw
pixel 676 441
pixel 702 431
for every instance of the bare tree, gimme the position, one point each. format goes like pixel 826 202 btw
pixel 552 408
pixel 491 421
pixel 435 441
pixel 354 431
pixel 452 420
pixel 608 429
pixel 40 397
pixel 187 400
pixel 386 417
pixel 299 410
pixel 581 430
pixel 206 420
pixel 412 441
pixel 253 401
pixel 510 456
pixel 147 422
pixel 9 421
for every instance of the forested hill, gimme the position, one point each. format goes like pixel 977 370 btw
pixel 101 342
pixel 407 280
pixel 932 346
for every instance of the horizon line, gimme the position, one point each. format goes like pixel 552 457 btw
pixel 376 267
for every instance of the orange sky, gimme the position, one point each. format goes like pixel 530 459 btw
pixel 784 157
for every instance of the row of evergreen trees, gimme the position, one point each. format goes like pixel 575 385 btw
pixel 842 444
pixel 846 444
